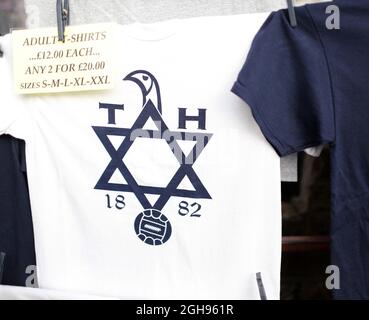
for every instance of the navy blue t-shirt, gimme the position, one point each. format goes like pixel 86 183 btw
pixel 308 86
pixel 16 229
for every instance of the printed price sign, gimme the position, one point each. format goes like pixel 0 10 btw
pixel 85 61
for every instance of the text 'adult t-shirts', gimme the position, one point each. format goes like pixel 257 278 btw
pixel 163 188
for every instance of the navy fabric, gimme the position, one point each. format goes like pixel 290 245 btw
pixel 16 230
pixel 308 86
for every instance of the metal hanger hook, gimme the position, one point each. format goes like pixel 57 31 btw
pixel 292 13
pixel 63 17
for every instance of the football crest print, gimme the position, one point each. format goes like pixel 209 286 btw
pixel 152 225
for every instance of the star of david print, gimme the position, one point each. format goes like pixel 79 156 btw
pixel 151 225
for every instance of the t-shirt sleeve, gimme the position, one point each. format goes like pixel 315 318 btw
pixel 286 82
pixel 10 105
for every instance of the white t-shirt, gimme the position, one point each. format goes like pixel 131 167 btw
pixel 189 211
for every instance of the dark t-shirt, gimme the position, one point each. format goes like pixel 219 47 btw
pixel 308 86
pixel 16 230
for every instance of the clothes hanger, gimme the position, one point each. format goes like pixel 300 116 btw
pixel 62 16
pixel 292 13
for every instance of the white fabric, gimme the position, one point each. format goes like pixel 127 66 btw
pixel 82 245
pixel 41 13
pixel 22 293
pixel 314 151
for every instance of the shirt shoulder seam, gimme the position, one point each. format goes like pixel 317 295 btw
pixel 325 54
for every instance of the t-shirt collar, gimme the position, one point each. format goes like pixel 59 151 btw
pixel 152 31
